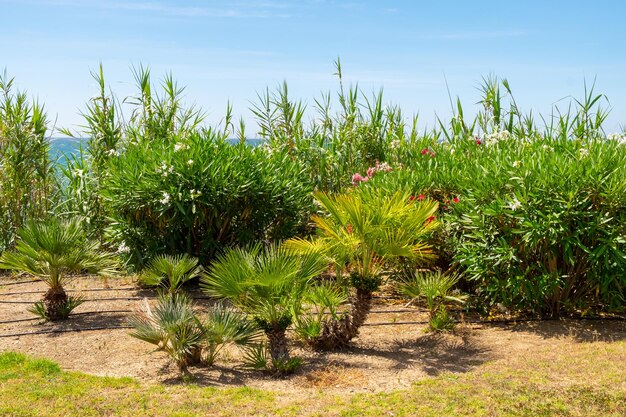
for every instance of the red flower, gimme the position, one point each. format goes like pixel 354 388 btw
pixel 349 229
pixel 456 199
pixel 412 198
pixel 479 142
pixel 424 151
pixel 430 219
pixel 421 197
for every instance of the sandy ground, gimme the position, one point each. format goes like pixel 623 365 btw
pixel 383 357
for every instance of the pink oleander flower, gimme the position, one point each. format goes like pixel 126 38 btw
pixel 371 171
pixel 357 179
pixel 421 197
pixel 456 199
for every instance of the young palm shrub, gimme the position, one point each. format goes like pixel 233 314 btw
pixel 223 326
pixel 436 289
pixel 173 327
pixel 170 272
pixel 51 251
pixel 364 231
pixel 269 285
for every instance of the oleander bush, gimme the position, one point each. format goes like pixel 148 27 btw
pixel 200 194
pixel 535 219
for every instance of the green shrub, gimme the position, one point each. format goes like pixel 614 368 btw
pixel 26 180
pixel 536 223
pixel 170 272
pixel 52 251
pixel 199 194
pixel 187 338
pixel 269 285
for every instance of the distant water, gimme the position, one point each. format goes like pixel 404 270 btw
pixel 60 148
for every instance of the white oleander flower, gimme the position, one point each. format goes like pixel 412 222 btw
pixel 395 144
pixel 180 146
pixel 517 164
pixel 515 204
pixel 165 199
pixel 583 152
pixel 617 137
pixel 123 248
pixel 190 162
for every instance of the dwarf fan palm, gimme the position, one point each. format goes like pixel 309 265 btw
pixel 363 232
pixel 171 272
pixel 268 284
pixel 436 289
pixel 173 327
pixel 50 251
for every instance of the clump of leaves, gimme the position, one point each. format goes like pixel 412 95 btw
pixel 51 251
pixel 175 328
pixel 268 284
pixel 364 232
pixel 170 272
pixel 436 288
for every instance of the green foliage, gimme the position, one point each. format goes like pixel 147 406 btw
pixel 256 356
pixel 174 327
pixel 336 144
pixel 538 219
pixel 223 326
pixel 199 194
pixel 269 285
pixel 364 233
pixel 436 289
pixel 51 251
pixel 54 249
pixel 154 116
pixel 63 309
pixel 170 272
pixel 26 180
pixel 364 230
pixel 320 302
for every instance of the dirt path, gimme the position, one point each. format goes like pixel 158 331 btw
pixel 383 357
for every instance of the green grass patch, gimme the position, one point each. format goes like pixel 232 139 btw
pixel 34 387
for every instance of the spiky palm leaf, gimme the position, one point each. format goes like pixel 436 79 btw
pixel 52 250
pixel 171 272
pixel 363 232
pixel 172 326
pixel 224 325
pixel 268 284
pixel 366 229
pixel 436 289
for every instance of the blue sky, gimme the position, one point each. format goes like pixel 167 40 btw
pixel 230 50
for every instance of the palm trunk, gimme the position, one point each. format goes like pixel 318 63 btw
pixel 54 302
pixel 279 349
pixel 337 333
